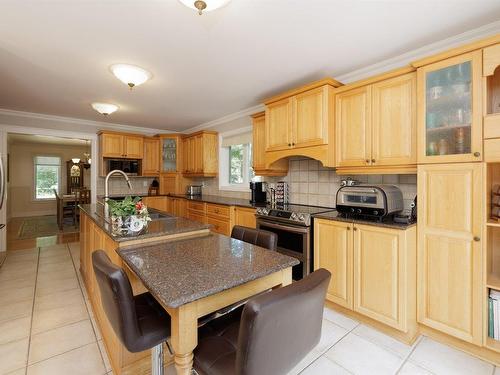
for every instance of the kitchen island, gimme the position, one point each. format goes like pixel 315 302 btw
pixel 190 271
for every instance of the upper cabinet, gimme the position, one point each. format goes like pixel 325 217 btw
pixel 151 160
pixel 280 168
pixel 491 73
pixel 120 145
pixel 200 154
pixel 170 153
pixel 376 125
pixel 450 110
pixel 300 122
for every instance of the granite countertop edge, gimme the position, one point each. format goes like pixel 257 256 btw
pixel 195 297
pixel 393 225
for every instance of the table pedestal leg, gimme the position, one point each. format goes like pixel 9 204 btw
pixel 184 323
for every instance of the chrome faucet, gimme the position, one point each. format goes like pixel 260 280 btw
pixel 106 188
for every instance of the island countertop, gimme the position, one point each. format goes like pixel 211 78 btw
pixel 182 271
pixel 157 228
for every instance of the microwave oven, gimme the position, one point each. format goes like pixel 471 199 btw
pixel 131 167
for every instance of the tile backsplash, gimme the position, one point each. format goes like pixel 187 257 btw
pixel 118 185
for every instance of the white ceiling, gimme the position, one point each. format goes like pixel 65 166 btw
pixel 55 55
pixel 46 140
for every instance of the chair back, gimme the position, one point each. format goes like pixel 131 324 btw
pixel 117 299
pixel 82 196
pixel 259 237
pixel 278 329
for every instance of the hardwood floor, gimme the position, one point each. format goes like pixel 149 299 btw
pixel 14 243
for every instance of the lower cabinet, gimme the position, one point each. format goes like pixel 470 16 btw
pixel 158 203
pixel 373 269
pixel 245 217
pixel 177 207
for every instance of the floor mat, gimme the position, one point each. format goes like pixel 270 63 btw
pixel 43 226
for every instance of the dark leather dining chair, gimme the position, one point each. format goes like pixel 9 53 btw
pixel 270 335
pixel 259 237
pixel 139 321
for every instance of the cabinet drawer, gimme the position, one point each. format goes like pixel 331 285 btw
pixel 193 215
pixel 492 150
pixel 218 211
pixel 200 207
pixel 219 226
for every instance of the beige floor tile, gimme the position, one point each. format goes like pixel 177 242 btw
pixel 60 340
pixel 15 310
pixel 12 284
pixel 46 287
pixel 61 299
pixel 54 260
pixel 15 329
pixel 53 318
pixel 63 273
pixel 16 294
pixel 21 371
pixel 325 366
pixel 385 341
pixel 104 354
pixel 413 369
pixel 97 331
pixel 82 361
pixel 47 250
pixel 13 355
pixel 339 319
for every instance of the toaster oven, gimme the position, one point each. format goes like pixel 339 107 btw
pixel 369 200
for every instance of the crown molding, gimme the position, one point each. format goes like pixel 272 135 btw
pixel 227 118
pixel 380 67
pixel 98 125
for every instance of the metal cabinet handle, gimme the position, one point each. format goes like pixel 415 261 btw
pixel 373 160
pixel 293 144
pixel 477 239
pixel 354 229
pixel 348 228
pixel 367 161
pixel 477 154
pixel 289 145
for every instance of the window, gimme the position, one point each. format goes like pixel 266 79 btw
pixel 236 160
pixel 47 176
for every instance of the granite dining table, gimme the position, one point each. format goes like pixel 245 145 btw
pixel 194 277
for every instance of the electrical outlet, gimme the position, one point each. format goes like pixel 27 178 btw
pixel 145 183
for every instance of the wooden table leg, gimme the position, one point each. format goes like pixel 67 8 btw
pixel 184 324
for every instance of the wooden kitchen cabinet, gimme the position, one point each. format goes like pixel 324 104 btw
pixel 278 120
pixel 333 251
pixel 200 155
pixel 158 203
pixel 245 217
pixel 449 249
pixel 171 153
pixel 177 206
pixel 121 145
pixel 151 159
pixel 279 168
pixel 376 125
pixel 373 271
pixel 450 110
pixel 170 183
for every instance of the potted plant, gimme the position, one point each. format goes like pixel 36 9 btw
pixel 129 215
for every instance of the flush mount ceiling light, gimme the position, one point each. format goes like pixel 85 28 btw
pixel 206 5
pixel 105 108
pixel 130 75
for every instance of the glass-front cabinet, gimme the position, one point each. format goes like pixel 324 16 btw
pixel 170 154
pixel 450 112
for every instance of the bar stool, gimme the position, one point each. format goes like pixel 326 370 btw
pixel 270 335
pixel 259 237
pixel 139 321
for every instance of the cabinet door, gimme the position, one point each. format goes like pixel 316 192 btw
pixel 191 215
pixel 353 122
pixel 112 145
pixel 450 110
pixel 394 119
pixel 168 184
pixel 449 249
pixel 151 160
pixel 310 118
pixel 185 155
pixel 259 143
pixel 197 150
pixel 133 147
pixel 333 251
pixel 245 217
pixel 169 155
pixel 278 125
pixel 378 274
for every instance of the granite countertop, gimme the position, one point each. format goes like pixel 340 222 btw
pixel 182 271
pixel 156 228
pixel 199 198
pixel 387 222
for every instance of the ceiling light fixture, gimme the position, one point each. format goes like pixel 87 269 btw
pixel 105 108
pixel 207 5
pixel 130 75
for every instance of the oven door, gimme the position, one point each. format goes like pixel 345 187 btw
pixel 294 241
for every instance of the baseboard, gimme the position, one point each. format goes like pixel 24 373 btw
pixel 33 213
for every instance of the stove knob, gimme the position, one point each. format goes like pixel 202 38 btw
pixel 352 210
pixel 359 210
pixel 375 212
pixel 293 216
pixel 301 217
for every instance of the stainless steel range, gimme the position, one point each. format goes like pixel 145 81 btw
pixel 292 224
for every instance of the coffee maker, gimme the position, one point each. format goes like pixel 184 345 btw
pixel 258 192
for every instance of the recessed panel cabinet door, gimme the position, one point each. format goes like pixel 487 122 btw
pixel 133 147
pixel 449 249
pixel 353 122
pixel 394 121
pixel 333 251
pixel 278 125
pixel 378 268
pixel 112 145
pixel 151 160
pixel 259 139
pixel 310 122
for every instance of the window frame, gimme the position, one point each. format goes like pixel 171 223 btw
pixel 224 163
pixel 59 176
